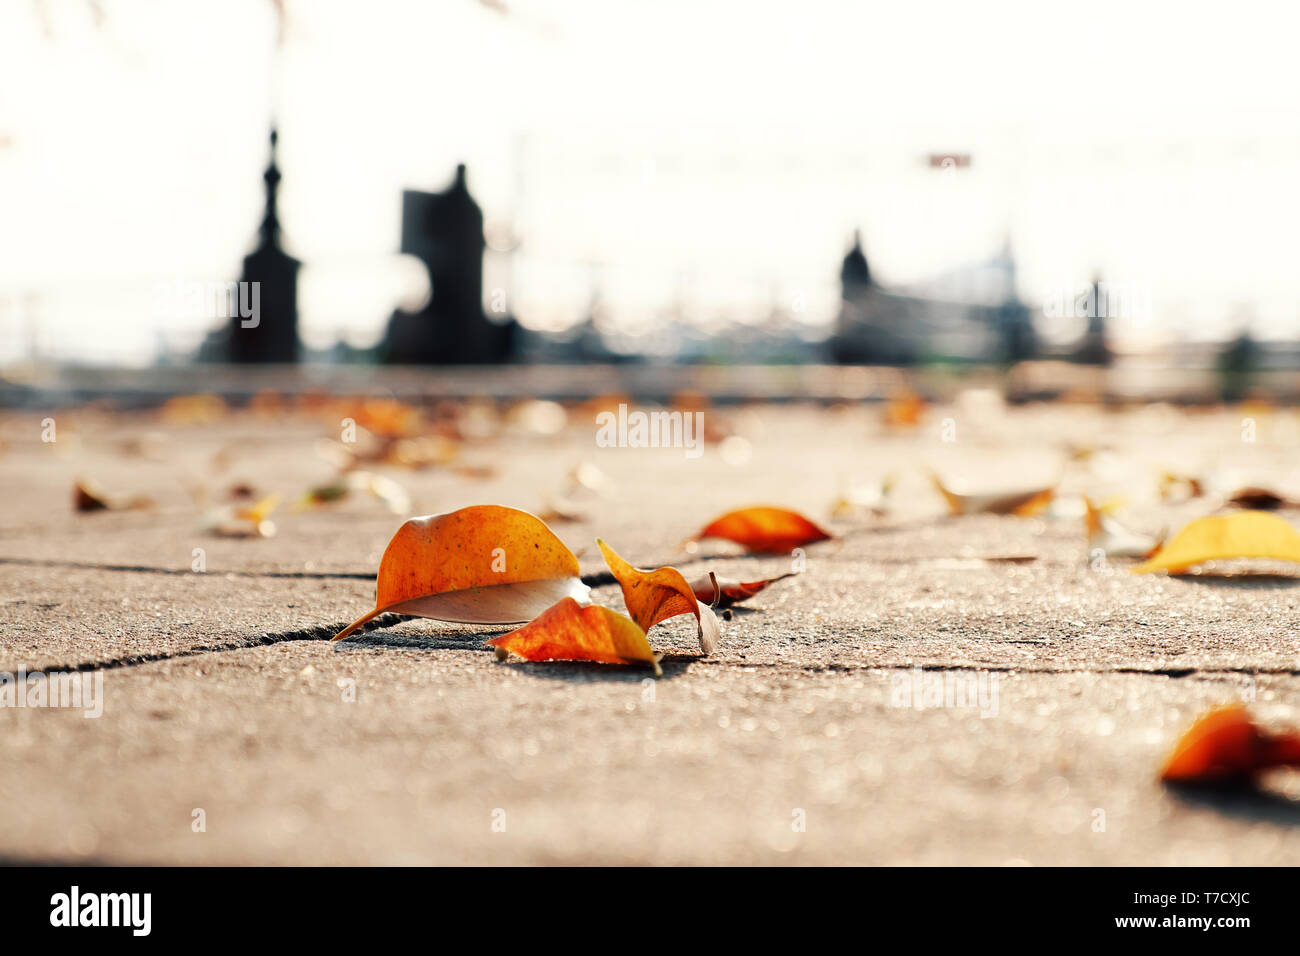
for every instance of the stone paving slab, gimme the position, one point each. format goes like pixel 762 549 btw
pixel 713 763
pixel 223 695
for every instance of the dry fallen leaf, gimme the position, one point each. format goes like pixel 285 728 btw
pixel 1243 534
pixel 193 409
pixel 236 521
pixel 732 592
pixel 416 453
pixel 387 417
pixel 1112 538
pixel 1260 499
pixel 903 410
pixel 764 530
pixel 654 596
pixel 567 631
pixel 864 500
pixel 1026 502
pixel 1226 746
pixel 87 496
pixel 561 510
pixel 485 564
pixel 1180 487
pixel 379 487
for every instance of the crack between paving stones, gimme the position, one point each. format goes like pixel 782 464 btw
pixel 596 579
pixel 319 632
pixel 323 632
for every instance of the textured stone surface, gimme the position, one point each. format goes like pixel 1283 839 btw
pixel 402 745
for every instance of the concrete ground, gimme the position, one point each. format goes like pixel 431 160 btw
pixel 800 740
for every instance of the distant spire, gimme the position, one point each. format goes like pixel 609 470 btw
pixel 855 271
pixel 270 229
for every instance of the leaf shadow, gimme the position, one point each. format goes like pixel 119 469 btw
pixel 1256 803
pixel 588 672
pixel 580 672
pixel 1260 580
pixel 416 641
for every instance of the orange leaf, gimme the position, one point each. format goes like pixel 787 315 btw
pixel 654 596
pixel 904 409
pixel 567 631
pixel 733 592
pixel 1226 746
pixel 765 530
pixel 480 565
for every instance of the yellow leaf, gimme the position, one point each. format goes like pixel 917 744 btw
pixel 1247 534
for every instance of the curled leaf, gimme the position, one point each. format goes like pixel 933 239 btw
pixel 765 530
pixel 708 590
pixel 1025 503
pixel 654 596
pixel 485 564
pixel 1226 746
pixel 567 631
pixel 1244 534
pixel 87 496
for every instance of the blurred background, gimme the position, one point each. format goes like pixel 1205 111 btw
pixel 1096 199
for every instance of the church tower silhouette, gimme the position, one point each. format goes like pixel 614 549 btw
pixel 272 334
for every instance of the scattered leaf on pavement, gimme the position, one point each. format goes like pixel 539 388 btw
pixel 1180 487
pixel 1243 534
pixel 1226 746
pixel 485 564
pixel 570 632
pixel 654 596
pixel 904 409
pixel 380 487
pixel 1112 538
pixel 1024 502
pixel 243 521
pixel 1260 499
pixel 765 530
pixel 733 592
pixel 87 496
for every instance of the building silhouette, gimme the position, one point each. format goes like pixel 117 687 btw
pixel 872 326
pixel 445 231
pixel 272 334
pixel 969 314
pixel 1094 347
pixel 1011 318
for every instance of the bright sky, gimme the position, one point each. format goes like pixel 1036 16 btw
pixel 712 153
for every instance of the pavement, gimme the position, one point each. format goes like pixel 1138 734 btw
pixel 233 732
